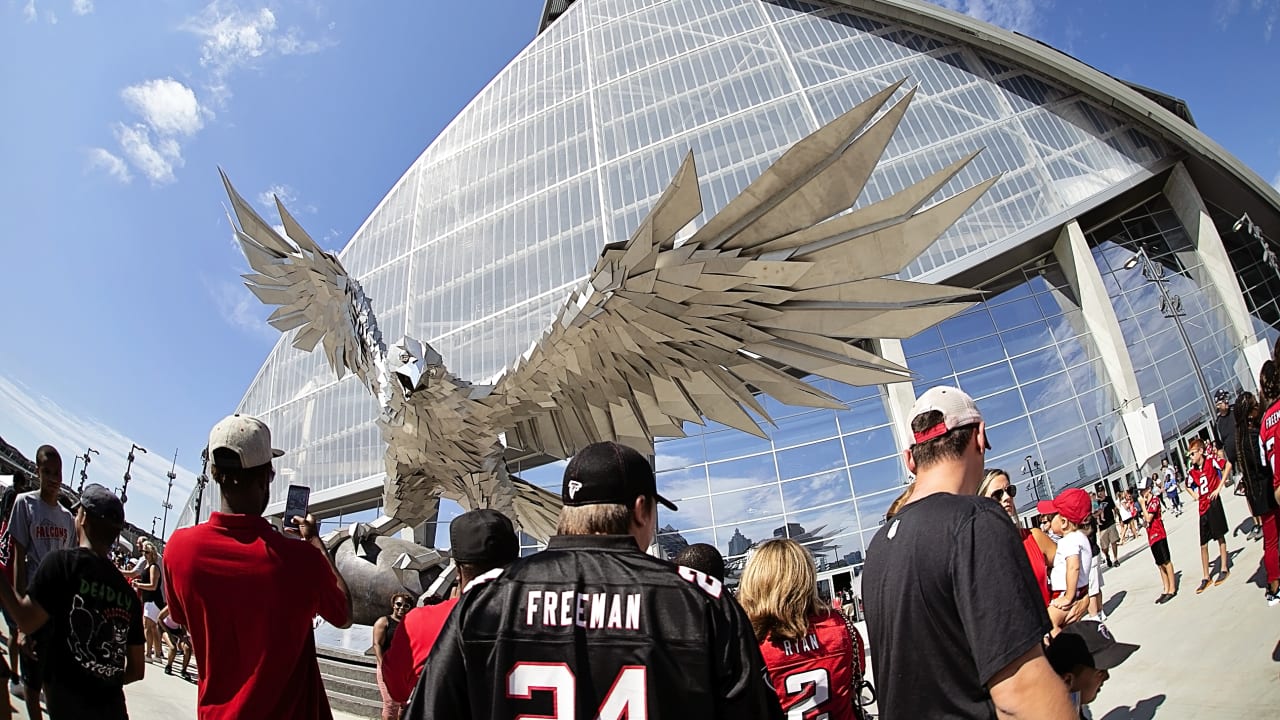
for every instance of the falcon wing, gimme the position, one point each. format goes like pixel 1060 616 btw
pixel 659 335
pixel 312 290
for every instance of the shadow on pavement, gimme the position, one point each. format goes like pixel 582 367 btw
pixel 1114 601
pixel 1144 710
pixel 1275 654
pixel 1245 527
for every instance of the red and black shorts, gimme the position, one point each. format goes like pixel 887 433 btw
pixel 1160 551
pixel 1213 523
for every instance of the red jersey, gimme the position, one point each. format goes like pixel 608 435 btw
pixel 1155 527
pixel 1268 438
pixel 1039 567
pixel 813 676
pixel 1204 480
pixel 247 595
pixel 402 662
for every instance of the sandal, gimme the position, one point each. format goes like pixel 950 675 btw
pixel 1204 584
pixel 1222 577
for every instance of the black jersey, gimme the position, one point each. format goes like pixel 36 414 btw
pixel 592 627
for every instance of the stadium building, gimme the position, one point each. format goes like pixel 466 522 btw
pixel 1122 253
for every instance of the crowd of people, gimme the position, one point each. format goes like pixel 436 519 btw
pixel 969 613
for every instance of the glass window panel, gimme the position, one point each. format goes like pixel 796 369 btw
pixel 814 425
pixel 822 523
pixel 1036 365
pixel 693 513
pixel 985 381
pixel 672 543
pixel 970 326
pixel 682 483
pixel 1026 339
pixel 1057 418
pixel 742 473
pixel 734 443
pixel 1016 313
pixel 865 414
pixel 1003 406
pixel 809 459
pixel 879 475
pixel 822 489
pixel 1007 436
pixel 679 452
pixel 931 367
pixel 870 444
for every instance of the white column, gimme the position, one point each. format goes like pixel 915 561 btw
pixel 901 396
pixel 1072 252
pixel 1190 209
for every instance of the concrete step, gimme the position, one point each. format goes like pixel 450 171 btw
pixel 367 689
pixel 342 669
pixel 359 707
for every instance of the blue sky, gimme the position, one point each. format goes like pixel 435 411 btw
pixel 126 320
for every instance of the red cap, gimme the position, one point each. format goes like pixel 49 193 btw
pixel 1073 504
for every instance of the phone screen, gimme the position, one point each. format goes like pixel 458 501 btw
pixel 295 505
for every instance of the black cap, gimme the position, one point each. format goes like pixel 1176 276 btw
pixel 101 503
pixel 1223 397
pixel 607 472
pixel 1089 643
pixel 484 537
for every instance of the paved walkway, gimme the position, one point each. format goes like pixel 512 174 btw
pixel 161 697
pixel 1215 655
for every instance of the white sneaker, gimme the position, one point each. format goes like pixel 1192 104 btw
pixel 1273 600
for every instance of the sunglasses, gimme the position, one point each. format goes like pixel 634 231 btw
pixel 1011 491
pixel 400 604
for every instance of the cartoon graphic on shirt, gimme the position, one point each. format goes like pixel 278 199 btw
pixel 98 637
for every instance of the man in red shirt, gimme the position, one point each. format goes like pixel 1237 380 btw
pixel 1157 538
pixel 480 542
pixel 1204 478
pixel 247 594
pixel 1269 438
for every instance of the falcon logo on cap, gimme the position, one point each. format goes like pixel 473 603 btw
pixel 574 487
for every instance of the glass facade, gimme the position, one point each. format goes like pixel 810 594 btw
pixel 475 247
pixel 1161 359
pixel 1028 359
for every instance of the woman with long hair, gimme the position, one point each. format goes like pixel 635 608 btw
pixel 151 595
pixel 1039 546
pixel 806 645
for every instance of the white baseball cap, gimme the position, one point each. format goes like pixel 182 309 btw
pixel 957 408
pixel 241 441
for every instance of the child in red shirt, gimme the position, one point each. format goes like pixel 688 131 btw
pixel 1204 478
pixel 1158 540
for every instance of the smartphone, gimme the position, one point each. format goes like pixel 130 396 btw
pixel 295 505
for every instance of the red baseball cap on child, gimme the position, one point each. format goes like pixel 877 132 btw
pixel 1073 504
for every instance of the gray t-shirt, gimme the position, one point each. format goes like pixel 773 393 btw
pixel 40 529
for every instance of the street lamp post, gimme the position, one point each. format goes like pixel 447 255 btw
pixel 124 491
pixel 1171 307
pixel 1033 468
pixel 84 469
pixel 166 504
pixel 201 482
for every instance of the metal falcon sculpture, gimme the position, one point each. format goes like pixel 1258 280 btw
pixel 657 335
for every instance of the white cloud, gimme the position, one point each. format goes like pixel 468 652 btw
pixel 1275 182
pixel 287 195
pixel 1267 12
pixel 240 309
pixel 29 11
pixel 1019 15
pixel 82 7
pixel 32 420
pixel 52 17
pixel 168 106
pixel 156 157
pixel 235 38
pixel 113 165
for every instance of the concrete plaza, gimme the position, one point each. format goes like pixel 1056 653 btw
pixel 1215 655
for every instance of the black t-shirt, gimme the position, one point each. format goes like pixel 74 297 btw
pixel 93 617
pixel 1106 514
pixel 594 622
pixel 950 601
